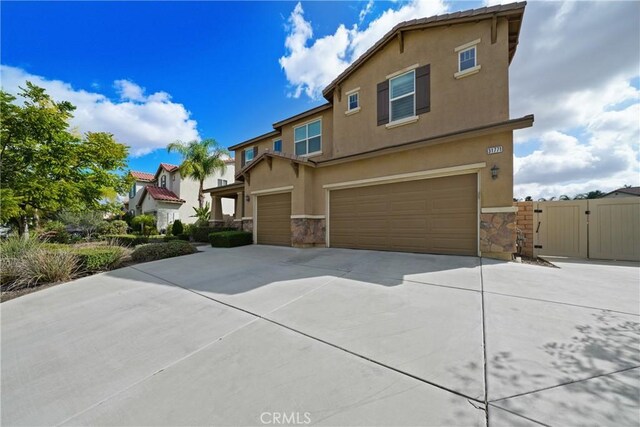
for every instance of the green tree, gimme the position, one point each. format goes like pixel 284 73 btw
pixel 203 214
pixel 48 167
pixel 200 159
pixel 143 223
pixel 595 194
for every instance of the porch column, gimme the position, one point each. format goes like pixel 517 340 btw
pixel 239 206
pixel 216 218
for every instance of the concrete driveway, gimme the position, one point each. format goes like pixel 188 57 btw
pixel 266 336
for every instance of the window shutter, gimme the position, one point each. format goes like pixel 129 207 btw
pixel 242 159
pixel 255 152
pixel 423 89
pixel 383 103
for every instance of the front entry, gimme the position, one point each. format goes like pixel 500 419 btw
pixel 274 219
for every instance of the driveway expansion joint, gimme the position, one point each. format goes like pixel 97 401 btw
pixel 519 415
pixel 368 359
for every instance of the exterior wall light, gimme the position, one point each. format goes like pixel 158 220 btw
pixel 247 198
pixel 494 171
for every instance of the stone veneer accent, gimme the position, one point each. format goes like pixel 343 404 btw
pixel 306 232
pixel 498 234
pixel 247 225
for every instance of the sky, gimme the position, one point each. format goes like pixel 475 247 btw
pixel 156 72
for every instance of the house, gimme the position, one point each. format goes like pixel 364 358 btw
pixel 623 192
pixel 169 196
pixel 413 150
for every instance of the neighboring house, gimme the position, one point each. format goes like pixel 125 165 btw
pixel 623 192
pixel 169 196
pixel 413 151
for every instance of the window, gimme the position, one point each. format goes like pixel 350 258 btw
pixel 132 191
pixel 163 181
pixel 402 96
pixel 308 138
pixel 354 101
pixel 222 182
pixel 277 146
pixel 467 59
pixel 248 155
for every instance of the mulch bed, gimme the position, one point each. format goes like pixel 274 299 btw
pixel 537 261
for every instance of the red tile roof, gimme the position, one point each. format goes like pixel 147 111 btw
pixel 161 194
pixel 142 176
pixel 168 167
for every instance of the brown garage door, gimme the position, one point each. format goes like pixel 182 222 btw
pixel 431 215
pixel 274 219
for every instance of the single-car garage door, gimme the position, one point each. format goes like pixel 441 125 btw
pixel 274 219
pixel 436 215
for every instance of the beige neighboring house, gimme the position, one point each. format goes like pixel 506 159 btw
pixel 413 150
pixel 623 192
pixel 169 196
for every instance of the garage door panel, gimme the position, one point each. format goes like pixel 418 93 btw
pixel 274 219
pixel 432 215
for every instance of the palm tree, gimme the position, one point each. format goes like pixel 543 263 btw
pixel 200 159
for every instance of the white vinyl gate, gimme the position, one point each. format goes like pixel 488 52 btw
pixel 597 228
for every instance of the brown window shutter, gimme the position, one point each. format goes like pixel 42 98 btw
pixel 242 159
pixel 383 103
pixel 255 152
pixel 423 89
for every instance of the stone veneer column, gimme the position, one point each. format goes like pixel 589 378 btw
pixel 308 232
pixel 498 234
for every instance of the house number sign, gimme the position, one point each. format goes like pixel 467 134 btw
pixel 494 150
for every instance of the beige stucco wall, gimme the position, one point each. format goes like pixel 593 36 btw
pixel 308 195
pixel 456 104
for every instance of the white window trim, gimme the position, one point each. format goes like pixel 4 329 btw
pixel 350 112
pixel 467 45
pixel 314 153
pixel 403 71
pixel 468 72
pixel 349 109
pixel 403 120
pixel 463 48
pixel 273 144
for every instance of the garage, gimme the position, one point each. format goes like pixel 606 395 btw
pixel 274 219
pixel 437 215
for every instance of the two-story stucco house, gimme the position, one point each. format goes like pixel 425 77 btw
pixel 412 152
pixel 169 196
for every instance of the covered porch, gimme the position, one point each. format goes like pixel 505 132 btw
pixel 233 191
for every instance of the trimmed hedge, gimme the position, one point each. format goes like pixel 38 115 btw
pixel 184 236
pixel 135 240
pixel 162 250
pixel 201 234
pixel 230 239
pixel 99 258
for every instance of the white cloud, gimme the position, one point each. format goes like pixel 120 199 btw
pixel 144 122
pixel 310 65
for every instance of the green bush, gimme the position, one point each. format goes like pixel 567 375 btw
pixel 162 250
pixel 100 258
pixel 184 236
pixel 201 234
pixel 230 239
pixel 112 227
pixel 126 239
pixel 177 228
pixel 146 223
pixel 169 238
pixel 15 247
pixel 56 232
pixel 41 266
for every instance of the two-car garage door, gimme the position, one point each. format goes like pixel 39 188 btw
pixel 436 215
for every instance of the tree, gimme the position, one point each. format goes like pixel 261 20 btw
pixel 47 167
pixel 203 214
pixel 144 223
pixel 595 194
pixel 200 159
pixel 528 199
pixel 87 222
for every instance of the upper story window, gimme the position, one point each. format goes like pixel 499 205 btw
pixel 132 191
pixel 277 146
pixel 163 181
pixel 467 59
pixel 222 182
pixel 402 91
pixel 308 138
pixel 248 155
pixel 354 101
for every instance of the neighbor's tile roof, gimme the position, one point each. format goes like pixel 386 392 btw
pixel 162 194
pixel 169 167
pixel 142 176
pixel 627 190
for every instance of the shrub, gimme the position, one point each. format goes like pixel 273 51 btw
pixel 184 236
pixel 177 228
pixel 169 238
pixel 144 223
pixel 230 239
pixel 100 258
pixel 188 229
pixel 55 231
pixel 44 266
pixel 112 227
pixel 15 247
pixel 9 271
pixel 201 234
pixel 162 250
pixel 126 239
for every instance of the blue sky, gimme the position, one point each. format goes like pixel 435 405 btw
pixel 154 72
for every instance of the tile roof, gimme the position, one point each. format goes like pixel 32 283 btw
pixel 142 176
pixel 169 167
pixel 627 190
pixel 161 194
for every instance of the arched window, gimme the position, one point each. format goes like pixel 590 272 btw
pixel 163 181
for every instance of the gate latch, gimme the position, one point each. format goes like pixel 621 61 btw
pixel 537 210
pixel 587 212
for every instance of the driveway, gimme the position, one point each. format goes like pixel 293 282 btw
pixel 263 335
